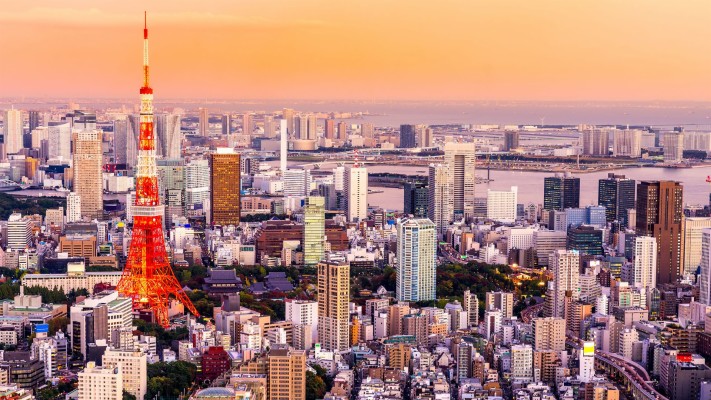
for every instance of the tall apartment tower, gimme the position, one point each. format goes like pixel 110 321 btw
pixel 12 131
pixel 548 334
pixel 565 266
pixel 73 207
pixel 287 373
pixel 87 172
pixel 33 119
pixel 168 135
pixel 416 260
pixel 511 140
pixel 408 136
pixel 660 210
pixel 596 142
pixel 224 187
pixel 705 266
pixel 617 194
pixel 645 263
pixel 673 147
pixel 415 198
pixel 501 301
pixel 561 192
pixel 692 227
pixel 203 121
pixel 440 194
pixel 329 128
pixel 333 297
pixel 627 143
pixel 470 304
pixel 460 159
pixel 314 230
pixel 356 193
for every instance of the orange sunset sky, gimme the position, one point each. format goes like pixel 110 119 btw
pixel 365 49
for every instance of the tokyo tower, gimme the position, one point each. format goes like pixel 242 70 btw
pixel 147 277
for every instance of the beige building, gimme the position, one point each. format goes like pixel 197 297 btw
pixel 692 227
pixel 502 301
pixel 87 172
pixel 333 297
pixel 76 278
pixel 549 334
pixel 134 369
pixel 105 383
pixel 287 373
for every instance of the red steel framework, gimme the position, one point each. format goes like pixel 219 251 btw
pixel 147 277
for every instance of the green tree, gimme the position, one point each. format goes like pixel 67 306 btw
pixel 315 386
pixel 128 396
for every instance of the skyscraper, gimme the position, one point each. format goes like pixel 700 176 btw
pixel 247 123
pixel 34 119
pixel 407 136
pixel 287 373
pixel 585 239
pixel 511 140
pixel 356 193
pixel 12 131
pixel 659 214
pixel 503 301
pixel 645 263
pixel 627 143
pixel 470 304
pixel 416 260
pixel 561 192
pixel 415 198
pixel 366 130
pixel 440 205
pixel 461 161
pixel 501 205
pixel 203 121
pixel 333 296
pixel 288 115
pixel 673 147
pixel 311 127
pixel 617 195
pixel 548 334
pixel 329 130
pixel 565 266
pixel 596 142
pixel 168 135
pixel 60 138
pixel 692 227
pixel 314 230
pixel 705 266
pixel 342 131
pixel 87 172
pixel 226 124
pixel 224 187
pixel 73 207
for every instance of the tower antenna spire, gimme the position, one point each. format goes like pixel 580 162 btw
pixel 145 24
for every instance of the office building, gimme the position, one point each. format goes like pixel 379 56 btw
pixel 511 141
pixel 617 194
pixel 501 205
pixel 225 187
pixel 415 198
pixel 659 214
pixel 203 122
pixel 60 139
pixel 548 334
pixel 627 143
pixel 329 128
pixel 314 230
pixel 287 373
pixel 227 124
pixel 356 193
pixel 134 369
pixel 425 136
pixel 97 317
pixel 12 131
pixel 546 242
pixel 247 124
pixel 460 159
pixel 87 172
pixel 585 240
pixel 367 130
pixel 644 272
pixel 596 142
pixel 565 266
pixel 342 131
pixel 33 119
pixel 197 184
pixel 692 228
pixel 705 267
pixel 560 192
pixel 416 260
pixel 439 197
pixel 500 301
pixel 105 383
pixel 168 135
pixel 673 147
pixel 19 232
pixel 303 313
pixel 408 136
pixel 333 297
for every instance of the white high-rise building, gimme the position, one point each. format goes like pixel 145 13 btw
pixel 470 304
pixel 197 182
pixel 416 260
pixel 587 362
pixel 626 340
pixel 356 193
pixel 339 176
pixel 297 182
pixel 692 227
pixel 12 131
pixel 168 135
pixel 104 383
pixel 283 144
pixel 19 232
pixel 60 139
pixel 303 313
pixel 596 141
pixel 673 147
pixel 461 160
pixel 134 369
pixel 565 266
pixel 627 143
pixel 705 278
pixel 39 134
pixel 522 362
pixel 439 197
pixel 73 207
pixel 501 205
pixel 493 320
pixel 645 263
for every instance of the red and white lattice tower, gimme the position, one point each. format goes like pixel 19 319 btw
pixel 147 277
